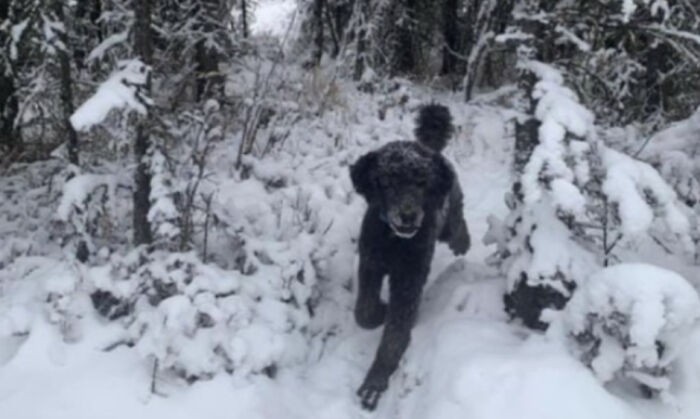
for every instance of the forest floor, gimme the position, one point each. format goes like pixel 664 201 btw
pixel 466 360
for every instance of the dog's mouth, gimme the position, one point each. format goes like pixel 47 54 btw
pixel 404 232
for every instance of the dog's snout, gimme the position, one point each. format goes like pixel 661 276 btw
pixel 408 217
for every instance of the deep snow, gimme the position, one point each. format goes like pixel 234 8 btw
pixel 465 360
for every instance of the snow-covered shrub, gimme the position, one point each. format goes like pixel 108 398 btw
pixel 42 286
pixel 83 213
pixel 673 151
pixel 197 319
pixel 632 320
pixel 181 190
pixel 573 204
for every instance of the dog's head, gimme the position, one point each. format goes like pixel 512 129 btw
pixel 406 181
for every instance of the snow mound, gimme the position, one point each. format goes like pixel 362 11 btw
pixel 632 320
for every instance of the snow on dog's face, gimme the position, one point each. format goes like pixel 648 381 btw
pixel 406 180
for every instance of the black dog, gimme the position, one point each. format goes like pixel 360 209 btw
pixel 414 199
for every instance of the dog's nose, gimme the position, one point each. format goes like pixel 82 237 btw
pixel 408 217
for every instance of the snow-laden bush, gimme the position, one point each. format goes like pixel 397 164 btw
pixel 42 286
pixel 85 212
pixel 674 152
pixel 199 320
pixel 574 203
pixel 631 321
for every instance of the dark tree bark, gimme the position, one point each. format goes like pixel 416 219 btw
pixel 210 81
pixel 66 86
pixel 87 14
pixel 406 49
pixel 657 61
pixel 493 16
pixel 143 48
pixel 361 57
pixel 9 105
pixel 9 108
pixel 318 7
pixel 244 17
pixel 338 17
pixel 451 35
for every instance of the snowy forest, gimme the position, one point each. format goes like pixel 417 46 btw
pixel 179 227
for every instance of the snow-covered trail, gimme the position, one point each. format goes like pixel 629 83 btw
pixel 464 361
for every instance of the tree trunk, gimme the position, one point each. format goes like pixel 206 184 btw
pixel 210 82
pixel 405 57
pixel 493 17
pixel 657 59
pixel 9 105
pixel 66 86
pixel 87 14
pixel 361 53
pixel 142 178
pixel 318 7
pixel 244 17
pixel 451 36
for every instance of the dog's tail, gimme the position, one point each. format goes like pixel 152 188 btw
pixel 434 126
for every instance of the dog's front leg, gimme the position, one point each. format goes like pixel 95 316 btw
pixel 370 311
pixel 403 307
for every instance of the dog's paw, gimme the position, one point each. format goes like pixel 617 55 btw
pixel 460 241
pixel 460 245
pixel 370 392
pixel 370 316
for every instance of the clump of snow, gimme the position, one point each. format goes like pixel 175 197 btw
pixel 563 120
pixel 552 254
pixel 110 42
pixel 78 190
pixel 632 320
pixel 628 9
pixel 124 89
pixel 162 214
pixel 639 191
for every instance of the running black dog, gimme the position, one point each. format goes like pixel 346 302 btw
pixel 414 200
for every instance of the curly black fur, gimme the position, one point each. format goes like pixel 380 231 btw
pixel 434 126
pixel 414 200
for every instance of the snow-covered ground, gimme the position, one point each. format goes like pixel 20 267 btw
pixel 465 360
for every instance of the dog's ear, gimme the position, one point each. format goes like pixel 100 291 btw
pixel 363 176
pixel 443 178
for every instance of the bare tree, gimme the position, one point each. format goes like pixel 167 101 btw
pixel 66 83
pixel 318 7
pixel 362 22
pixel 9 104
pixel 143 48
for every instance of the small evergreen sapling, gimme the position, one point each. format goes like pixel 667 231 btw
pixel 574 203
pixel 632 321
